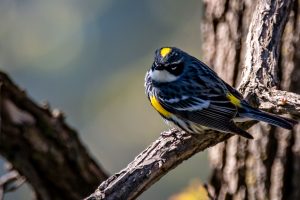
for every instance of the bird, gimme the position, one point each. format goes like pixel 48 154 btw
pixel 191 96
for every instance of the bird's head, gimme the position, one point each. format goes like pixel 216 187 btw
pixel 168 64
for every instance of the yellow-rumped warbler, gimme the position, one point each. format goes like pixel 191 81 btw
pixel 189 94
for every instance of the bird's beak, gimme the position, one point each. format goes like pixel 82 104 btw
pixel 158 67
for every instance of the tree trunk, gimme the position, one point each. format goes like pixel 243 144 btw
pixel 269 166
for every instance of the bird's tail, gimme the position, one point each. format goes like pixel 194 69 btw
pixel 234 129
pixel 275 120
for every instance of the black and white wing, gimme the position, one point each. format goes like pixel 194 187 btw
pixel 214 111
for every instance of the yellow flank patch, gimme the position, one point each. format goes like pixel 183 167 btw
pixel 234 100
pixel 165 51
pixel 155 103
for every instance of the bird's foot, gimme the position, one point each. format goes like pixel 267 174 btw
pixel 172 132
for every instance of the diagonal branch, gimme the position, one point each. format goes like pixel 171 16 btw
pixel 43 148
pixel 155 161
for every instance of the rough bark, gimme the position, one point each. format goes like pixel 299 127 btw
pixel 268 167
pixel 43 148
pixel 154 162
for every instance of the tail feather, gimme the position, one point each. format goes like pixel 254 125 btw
pixel 241 132
pixel 268 118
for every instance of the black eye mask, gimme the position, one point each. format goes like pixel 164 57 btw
pixel 175 69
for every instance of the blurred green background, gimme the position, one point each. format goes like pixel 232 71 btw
pixel 88 58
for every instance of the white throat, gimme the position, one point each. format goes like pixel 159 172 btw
pixel 162 76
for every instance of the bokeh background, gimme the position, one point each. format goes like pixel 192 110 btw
pixel 88 58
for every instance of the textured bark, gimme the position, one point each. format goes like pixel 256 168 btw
pixel 155 161
pixel 267 167
pixel 43 148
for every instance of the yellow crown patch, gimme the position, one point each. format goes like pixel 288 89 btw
pixel 165 51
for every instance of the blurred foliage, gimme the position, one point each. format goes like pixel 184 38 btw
pixel 195 191
pixel 88 58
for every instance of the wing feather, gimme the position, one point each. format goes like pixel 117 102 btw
pixel 213 114
pixel 211 119
pixel 184 104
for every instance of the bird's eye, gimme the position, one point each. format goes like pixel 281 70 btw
pixel 173 68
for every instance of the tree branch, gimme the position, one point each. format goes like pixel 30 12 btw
pixel 155 161
pixel 43 148
pixel 261 64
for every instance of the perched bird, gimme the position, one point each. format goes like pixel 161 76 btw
pixel 192 96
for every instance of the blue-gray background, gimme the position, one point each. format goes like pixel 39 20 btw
pixel 88 58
